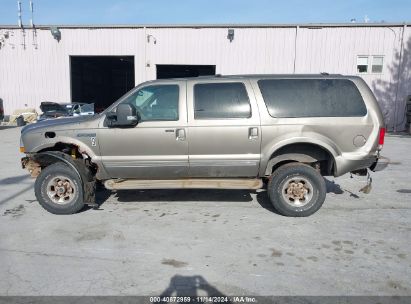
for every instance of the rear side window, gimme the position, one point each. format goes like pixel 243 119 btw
pixel 221 101
pixel 312 98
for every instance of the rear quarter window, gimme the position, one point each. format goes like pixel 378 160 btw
pixel 312 98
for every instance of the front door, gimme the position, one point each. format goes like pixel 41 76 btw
pixel 157 147
pixel 224 129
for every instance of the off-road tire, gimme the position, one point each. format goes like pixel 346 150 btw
pixel 295 170
pixel 40 189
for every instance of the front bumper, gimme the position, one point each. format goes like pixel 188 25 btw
pixel 381 163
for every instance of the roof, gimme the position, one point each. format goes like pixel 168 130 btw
pixel 229 25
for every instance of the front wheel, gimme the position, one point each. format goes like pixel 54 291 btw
pixel 296 189
pixel 59 189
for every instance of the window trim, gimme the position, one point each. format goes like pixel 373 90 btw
pixel 309 117
pixel 221 118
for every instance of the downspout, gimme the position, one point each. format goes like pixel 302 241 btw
pixel 145 54
pixel 295 47
pixel 398 79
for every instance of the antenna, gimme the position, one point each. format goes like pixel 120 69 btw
pixel 32 13
pixel 20 23
pixel 34 30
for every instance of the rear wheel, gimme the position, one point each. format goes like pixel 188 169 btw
pixel 59 189
pixel 296 189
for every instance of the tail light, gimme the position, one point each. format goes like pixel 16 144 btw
pixel 381 138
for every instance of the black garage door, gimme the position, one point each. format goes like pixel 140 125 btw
pixel 165 71
pixel 100 79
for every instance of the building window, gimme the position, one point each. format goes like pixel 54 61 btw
pixel 370 64
pixel 377 62
pixel 362 64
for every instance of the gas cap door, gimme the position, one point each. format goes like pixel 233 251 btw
pixel 359 141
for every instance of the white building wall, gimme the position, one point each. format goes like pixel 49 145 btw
pixel 30 75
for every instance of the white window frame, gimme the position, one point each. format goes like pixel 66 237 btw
pixel 368 64
pixel 372 64
pixel 370 60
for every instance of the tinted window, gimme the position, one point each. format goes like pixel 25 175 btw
pixel 221 100
pixel 157 102
pixel 312 98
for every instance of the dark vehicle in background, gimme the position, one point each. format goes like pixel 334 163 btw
pixel 1 110
pixel 53 110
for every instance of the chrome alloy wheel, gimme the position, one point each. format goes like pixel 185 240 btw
pixel 61 190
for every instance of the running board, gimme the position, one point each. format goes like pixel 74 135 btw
pixel 193 183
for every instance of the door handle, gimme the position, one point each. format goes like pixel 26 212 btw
pixel 180 134
pixel 253 133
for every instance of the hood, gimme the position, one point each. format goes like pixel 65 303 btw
pixel 47 106
pixel 66 122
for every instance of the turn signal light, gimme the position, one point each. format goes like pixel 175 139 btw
pixel 22 150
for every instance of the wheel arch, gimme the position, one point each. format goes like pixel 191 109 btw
pixel 303 152
pixel 79 166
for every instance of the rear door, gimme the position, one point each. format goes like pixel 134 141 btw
pixel 224 128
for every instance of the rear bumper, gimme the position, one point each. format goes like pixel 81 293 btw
pixel 380 164
pixel 345 165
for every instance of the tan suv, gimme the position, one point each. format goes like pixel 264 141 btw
pixel 231 132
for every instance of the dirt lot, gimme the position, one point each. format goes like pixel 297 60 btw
pixel 208 242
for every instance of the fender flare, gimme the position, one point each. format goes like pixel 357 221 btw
pixel 298 157
pixel 47 158
pixel 304 152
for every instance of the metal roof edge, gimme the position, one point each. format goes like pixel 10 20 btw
pixel 231 25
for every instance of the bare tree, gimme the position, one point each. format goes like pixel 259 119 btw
pixel 391 95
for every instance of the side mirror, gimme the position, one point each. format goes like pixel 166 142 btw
pixel 126 116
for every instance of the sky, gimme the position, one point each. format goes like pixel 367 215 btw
pixel 205 11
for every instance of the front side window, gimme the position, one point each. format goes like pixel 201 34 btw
pixel 156 102
pixel 288 98
pixel 221 101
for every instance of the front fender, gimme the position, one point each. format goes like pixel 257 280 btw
pixel 51 142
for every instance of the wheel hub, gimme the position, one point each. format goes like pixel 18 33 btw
pixel 60 190
pixel 297 191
